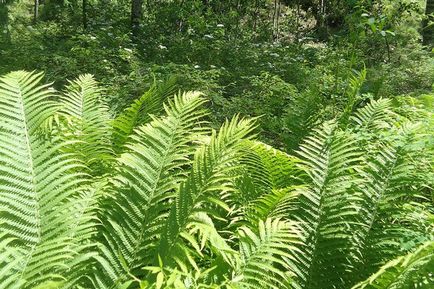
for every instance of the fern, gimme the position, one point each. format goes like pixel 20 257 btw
pixel 265 172
pixel 38 184
pixel 140 112
pixel 375 115
pixel 411 271
pixel 149 171
pixel 262 252
pixel 88 120
pixel 88 202
pixel 279 203
pixel 328 206
pixel 210 173
pixel 393 188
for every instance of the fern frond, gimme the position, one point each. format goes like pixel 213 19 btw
pixel 10 259
pixel 89 120
pixel 204 226
pixel 415 270
pixel 264 170
pixel 38 182
pixel 282 168
pixel 353 93
pixel 211 173
pixel 279 203
pixel 140 112
pixel 262 253
pixel 329 205
pixel 303 116
pixel 374 116
pixel 393 198
pixel 149 171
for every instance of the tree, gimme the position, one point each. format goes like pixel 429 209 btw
pixel 4 22
pixel 84 16
pixel 136 16
pixel 36 11
pixel 428 30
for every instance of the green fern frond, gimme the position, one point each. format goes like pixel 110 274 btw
pixel 264 170
pixel 353 93
pixel 89 120
pixel 149 171
pixel 329 205
pixel 374 116
pixel 262 253
pixel 204 226
pixel 303 116
pixel 279 203
pixel 38 183
pixel 282 168
pixel 393 198
pixel 10 259
pixel 415 270
pixel 140 112
pixel 211 174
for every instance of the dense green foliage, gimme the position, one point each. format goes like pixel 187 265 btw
pixel 216 144
pixel 166 201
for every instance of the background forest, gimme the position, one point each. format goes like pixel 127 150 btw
pixel 217 144
pixel 268 58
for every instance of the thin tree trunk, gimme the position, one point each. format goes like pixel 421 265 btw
pixel 84 14
pixel 36 11
pixel 136 16
pixel 279 7
pixel 4 23
pixel 297 32
pixel 321 14
pixel 387 47
pixel 256 14
pixel 274 19
pixel 428 31
pixel 238 8
pixel 180 20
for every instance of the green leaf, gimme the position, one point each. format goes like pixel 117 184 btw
pixel 160 280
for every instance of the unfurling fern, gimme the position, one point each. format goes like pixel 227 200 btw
pixel 155 198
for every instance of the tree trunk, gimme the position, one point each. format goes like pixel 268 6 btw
pixel 297 34
pixel 180 21
pixel 36 11
pixel 428 31
pixel 322 25
pixel 136 16
pixel 4 23
pixel 275 19
pixel 255 16
pixel 279 8
pixel 84 14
